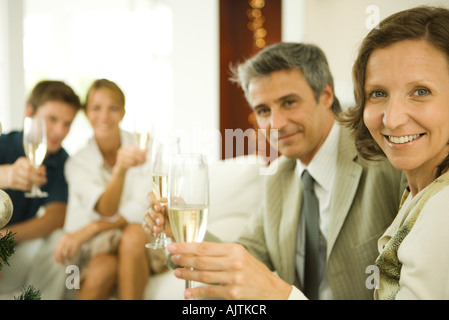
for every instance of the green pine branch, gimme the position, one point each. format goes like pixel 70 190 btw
pixel 7 244
pixel 30 293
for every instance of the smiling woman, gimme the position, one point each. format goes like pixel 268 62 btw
pixel 409 119
pixel 401 78
pixel 107 200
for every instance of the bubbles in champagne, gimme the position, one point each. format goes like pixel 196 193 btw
pixel 188 223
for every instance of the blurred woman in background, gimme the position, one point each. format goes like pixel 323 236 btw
pixel 107 202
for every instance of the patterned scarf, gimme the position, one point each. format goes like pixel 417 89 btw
pixel 388 262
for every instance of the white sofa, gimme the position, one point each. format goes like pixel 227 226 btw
pixel 235 192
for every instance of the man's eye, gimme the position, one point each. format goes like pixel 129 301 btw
pixel 262 112
pixel 289 102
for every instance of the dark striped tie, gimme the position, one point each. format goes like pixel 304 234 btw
pixel 310 208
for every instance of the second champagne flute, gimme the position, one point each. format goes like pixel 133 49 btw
pixel 188 198
pixel 163 148
pixel 35 146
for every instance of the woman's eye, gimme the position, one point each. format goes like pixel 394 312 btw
pixel 377 94
pixel 421 92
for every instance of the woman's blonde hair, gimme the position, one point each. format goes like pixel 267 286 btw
pixel 117 93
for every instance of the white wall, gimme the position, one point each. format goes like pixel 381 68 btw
pixel 196 70
pixel 293 20
pixel 11 65
pixel 4 61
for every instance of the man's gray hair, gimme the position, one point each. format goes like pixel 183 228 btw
pixel 307 58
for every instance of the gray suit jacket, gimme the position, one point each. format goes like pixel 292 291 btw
pixel 365 200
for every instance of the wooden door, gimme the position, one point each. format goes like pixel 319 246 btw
pixel 246 26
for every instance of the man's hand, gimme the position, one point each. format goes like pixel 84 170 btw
pixel 22 175
pixel 230 269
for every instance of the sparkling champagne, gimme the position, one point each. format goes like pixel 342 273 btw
pixel 142 140
pixel 160 187
pixel 188 223
pixel 35 152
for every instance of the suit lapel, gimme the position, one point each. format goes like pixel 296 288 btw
pixel 289 190
pixel 345 185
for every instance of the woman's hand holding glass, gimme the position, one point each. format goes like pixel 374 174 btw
pixel 162 150
pixel 154 220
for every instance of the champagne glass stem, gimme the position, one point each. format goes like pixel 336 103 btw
pixel 36 192
pixel 34 189
pixel 162 237
pixel 189 283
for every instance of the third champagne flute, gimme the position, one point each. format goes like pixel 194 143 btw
pixel 143 139
pixel 142 130
pixel 163 148
pixel 35 145
pixel 188 198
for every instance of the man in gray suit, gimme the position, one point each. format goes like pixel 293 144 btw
pixel 290 88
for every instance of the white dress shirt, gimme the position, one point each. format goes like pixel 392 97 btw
pixel 87 175
pixel 322 168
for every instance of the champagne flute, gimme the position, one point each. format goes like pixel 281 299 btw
pixel 188 198
pixel 163 148
pixel 143 139
pixel 35 145
pixel 142 129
